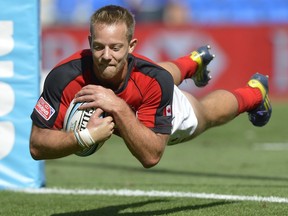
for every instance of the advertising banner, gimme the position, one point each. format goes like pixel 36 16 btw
pixel 241 50
pixel 19 91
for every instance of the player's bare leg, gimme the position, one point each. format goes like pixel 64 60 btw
pixel 192 66
pixel 215 109
pixel 221 106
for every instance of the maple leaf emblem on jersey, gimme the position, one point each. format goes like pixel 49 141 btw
pixel 168 110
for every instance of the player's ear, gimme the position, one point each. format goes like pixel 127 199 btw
pixel 90 40
pixel 132 45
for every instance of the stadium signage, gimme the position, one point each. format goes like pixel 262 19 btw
pixel 19 91
pixel 7 95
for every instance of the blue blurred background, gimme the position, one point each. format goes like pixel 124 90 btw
pixel 196 11
pixel 247 36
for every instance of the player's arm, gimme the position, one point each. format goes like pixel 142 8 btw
pixel 146 145
pixel 50 144
pixel 142 142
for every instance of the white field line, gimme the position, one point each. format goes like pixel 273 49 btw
pixel 153 193
pixel 271 146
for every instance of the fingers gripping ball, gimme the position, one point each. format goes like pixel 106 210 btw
pixel 76 120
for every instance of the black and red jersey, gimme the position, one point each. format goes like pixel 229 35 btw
pixel 148 90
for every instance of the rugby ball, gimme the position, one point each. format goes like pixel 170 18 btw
pixel 76 119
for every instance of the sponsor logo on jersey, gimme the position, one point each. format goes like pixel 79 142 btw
pixel 44 109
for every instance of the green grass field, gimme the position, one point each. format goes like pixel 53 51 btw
pixel 236 159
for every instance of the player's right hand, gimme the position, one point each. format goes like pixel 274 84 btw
pixel 100 127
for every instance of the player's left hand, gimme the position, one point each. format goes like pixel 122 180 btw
pixel 96 96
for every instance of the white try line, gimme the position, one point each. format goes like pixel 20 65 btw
pixel 154 193
pixel 271 146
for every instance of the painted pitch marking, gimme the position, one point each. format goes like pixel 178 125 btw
pixel 154 193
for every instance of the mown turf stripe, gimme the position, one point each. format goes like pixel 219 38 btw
pixel 154 193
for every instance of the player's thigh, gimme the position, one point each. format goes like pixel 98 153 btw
pixel 199 112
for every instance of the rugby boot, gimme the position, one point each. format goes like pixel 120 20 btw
pixel 261 114
pixel 203 57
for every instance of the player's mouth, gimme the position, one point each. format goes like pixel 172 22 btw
pixel 104 66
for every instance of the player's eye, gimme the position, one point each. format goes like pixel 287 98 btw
pixel 98 48
pixel 116 47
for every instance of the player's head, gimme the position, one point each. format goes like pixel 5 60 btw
pixel 111 40
pixel 113 14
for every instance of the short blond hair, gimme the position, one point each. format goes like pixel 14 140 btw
pixel 113 14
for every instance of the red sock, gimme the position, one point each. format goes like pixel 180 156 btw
pixel 248 98
pixel 187 66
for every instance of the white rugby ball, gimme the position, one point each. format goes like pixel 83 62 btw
pixel 76 119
